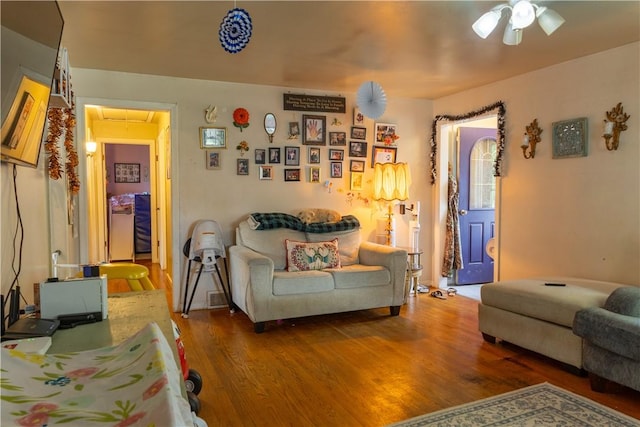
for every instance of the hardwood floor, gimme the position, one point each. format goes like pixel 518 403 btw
pixel 363 368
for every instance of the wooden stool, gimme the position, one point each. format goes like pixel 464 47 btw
pixel 135 274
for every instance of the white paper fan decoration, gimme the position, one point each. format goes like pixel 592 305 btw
pixel 371 99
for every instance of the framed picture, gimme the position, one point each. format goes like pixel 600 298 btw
pixel 358 117
pixel 292 174
pixel 358 132
pixel 242 167
pixel 274 154
pixel 314 174
pixel 127 172
pixel 212 159
pixel 336 169
pixel 314 130
pixel 292 156
pixel 383 155
pixel 356 181
pixel 337 138
pixel 356 166
pixel 570 138
pixel 260 156
pixel 266 172
pixel 213 137
pixel 336 154
pixel 384 131
pixel 294 130
pixel 314 155
pixel 357 149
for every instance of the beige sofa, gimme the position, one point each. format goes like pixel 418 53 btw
pixel 370 275
pixel 538 317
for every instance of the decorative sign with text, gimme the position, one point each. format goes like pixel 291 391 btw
pixel 324 104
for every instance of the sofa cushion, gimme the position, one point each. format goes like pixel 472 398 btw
pixel 268 242
pixel 301 282
pixel 304 256
pixel 359 276
pixel 348 244
pixel 556 304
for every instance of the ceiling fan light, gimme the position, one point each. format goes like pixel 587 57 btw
pixel 512 37
pixel 522 14
pixel 487 22
pixel 549 20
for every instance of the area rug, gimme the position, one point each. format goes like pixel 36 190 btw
pixel 538 405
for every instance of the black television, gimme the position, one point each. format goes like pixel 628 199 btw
pixel 30 39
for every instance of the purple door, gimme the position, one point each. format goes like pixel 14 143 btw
pixel 476 185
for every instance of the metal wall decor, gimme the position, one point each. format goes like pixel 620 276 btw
pixel 531 139
pixel 615 123
pixel 570 138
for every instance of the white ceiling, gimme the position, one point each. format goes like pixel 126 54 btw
pixel 416 49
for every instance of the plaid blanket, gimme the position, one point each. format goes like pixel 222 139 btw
pixel 271 220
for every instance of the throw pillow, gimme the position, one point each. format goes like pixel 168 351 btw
pixel 303 256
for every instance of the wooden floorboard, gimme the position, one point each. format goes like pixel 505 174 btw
pixel 362 368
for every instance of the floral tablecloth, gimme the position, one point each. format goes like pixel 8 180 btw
pixel 136 383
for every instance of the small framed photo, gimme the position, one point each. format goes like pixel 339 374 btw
pixel 356 166
pixel 570 138
pixel 127 172
pixel 358 117
pixel 384 132
pixel 242 167
pixel 292 174
pixel 292 156
pixel 383 155
pixel 357 149
pixel 314 155
pixel 337 138
pixel 212 159
pixel 356 181
pixel 266 172
pixel 336 169
pixel 314 130
pixel 358 132
pixel 336 154
pixel 213 137
pixel 274 154
pixel 314 174
pixel 294 130
pixel 260 156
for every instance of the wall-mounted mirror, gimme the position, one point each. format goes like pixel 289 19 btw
pixel 270 125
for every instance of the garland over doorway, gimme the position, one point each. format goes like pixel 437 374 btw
pixel 497 168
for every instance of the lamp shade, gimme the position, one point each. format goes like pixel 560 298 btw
pixel 488 22
pixel 511 36
pixel 371 99
pixel 549 20
pixel 391 181
pixel 522 15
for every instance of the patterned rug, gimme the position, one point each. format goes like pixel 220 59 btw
pixel 538 405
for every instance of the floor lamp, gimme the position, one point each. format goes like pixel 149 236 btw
pixel 391 182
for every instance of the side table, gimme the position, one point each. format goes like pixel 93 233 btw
pixel 414 269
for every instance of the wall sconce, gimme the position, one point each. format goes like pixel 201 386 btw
pixel 91 147
pixel 530 139
pixel 615 123
pixel 391 182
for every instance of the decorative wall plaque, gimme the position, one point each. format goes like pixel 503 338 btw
pixel 570 138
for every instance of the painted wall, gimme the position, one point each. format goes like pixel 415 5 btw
pixel 573 216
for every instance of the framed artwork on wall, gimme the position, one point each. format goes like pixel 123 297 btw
pixel 292 174
pixel 274 154
pixel 356 166
pixel 260 156
pixel 383 155
pixel 570 138
pixel 337 138
pixel 314 174
pixel 336 154
pixel 127 173
pixel 292 156
pixel 242 167
pixel 356 181
pixel 212 159
pixel 358 132
pixel 385 132
pixel 314 155
pixel 213 137
pixel 266 172
pixel 357 149
pixel 358 117
pixel 314 130
pixel 336 169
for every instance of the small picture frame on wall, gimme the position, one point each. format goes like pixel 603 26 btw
pixel 213 159
pixel 358 132
pixel 213 137
pixel 336 169
pixel 292 174
pixel 266 173
pixel 314 155
pixel 356 181
pixel 274 154
pixel 126 173
pixel 314 174
pixel 336 154
pixel 242 167
pixel 260 156
pixel 337 138
pixel 357 149
pixel 356 166
pixel 314 130
pixel 358 117
pixel 383 155
pixel 294 130
pixel 384 132
pixel 292 156
pixel 570 138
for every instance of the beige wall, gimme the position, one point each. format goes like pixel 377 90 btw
pixel 577 216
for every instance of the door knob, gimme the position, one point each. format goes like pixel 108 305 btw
pixel 462 212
